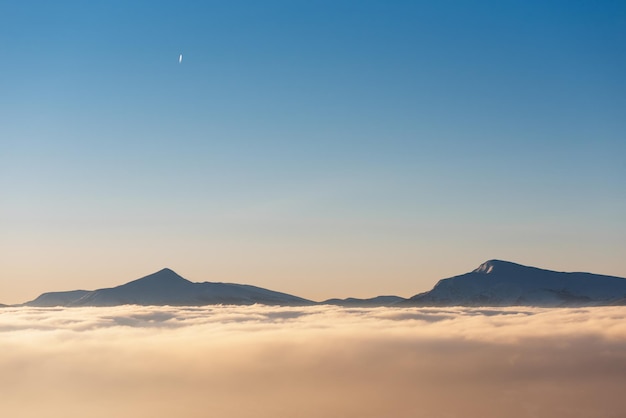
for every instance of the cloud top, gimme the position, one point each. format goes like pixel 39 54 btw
pixel 321 361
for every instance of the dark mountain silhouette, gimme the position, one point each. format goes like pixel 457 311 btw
pixel 493 283
pixel 502 283
pixel 165 287
pixel 371 302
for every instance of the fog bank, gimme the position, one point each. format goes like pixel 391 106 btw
pixel 258 361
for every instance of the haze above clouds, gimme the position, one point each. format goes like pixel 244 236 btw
pixel 321 361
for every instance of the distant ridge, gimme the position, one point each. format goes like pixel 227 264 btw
pixel 503 283
pixel 371 302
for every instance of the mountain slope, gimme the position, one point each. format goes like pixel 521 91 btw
pixel 501 283
pixel 58 298
pixel 165 287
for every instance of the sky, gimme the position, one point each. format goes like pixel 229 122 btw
pixel 319 148
pixel 311 362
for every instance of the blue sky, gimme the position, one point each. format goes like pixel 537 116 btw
pixel 319 148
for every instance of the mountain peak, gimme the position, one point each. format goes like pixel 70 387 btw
pixel 499 266
pixel 162 276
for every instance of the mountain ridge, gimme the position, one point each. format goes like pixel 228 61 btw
pixel 384 300
pixel 492 283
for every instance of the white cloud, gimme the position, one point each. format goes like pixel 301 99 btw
pixel 259 361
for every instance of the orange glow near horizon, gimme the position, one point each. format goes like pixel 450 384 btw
pixel 315 269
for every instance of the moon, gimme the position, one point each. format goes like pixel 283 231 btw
pixel 180 58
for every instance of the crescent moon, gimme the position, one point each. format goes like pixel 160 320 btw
pixel 180 58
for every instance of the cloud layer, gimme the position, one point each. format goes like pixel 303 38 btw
pixel 259 361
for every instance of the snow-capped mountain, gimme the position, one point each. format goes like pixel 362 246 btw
pixel 165 287
pixel 502 283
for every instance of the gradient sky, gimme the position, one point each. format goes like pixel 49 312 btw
pixel 321 148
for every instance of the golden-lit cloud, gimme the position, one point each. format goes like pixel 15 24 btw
pixel 258 361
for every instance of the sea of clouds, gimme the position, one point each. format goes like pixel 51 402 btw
pixel 259 361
